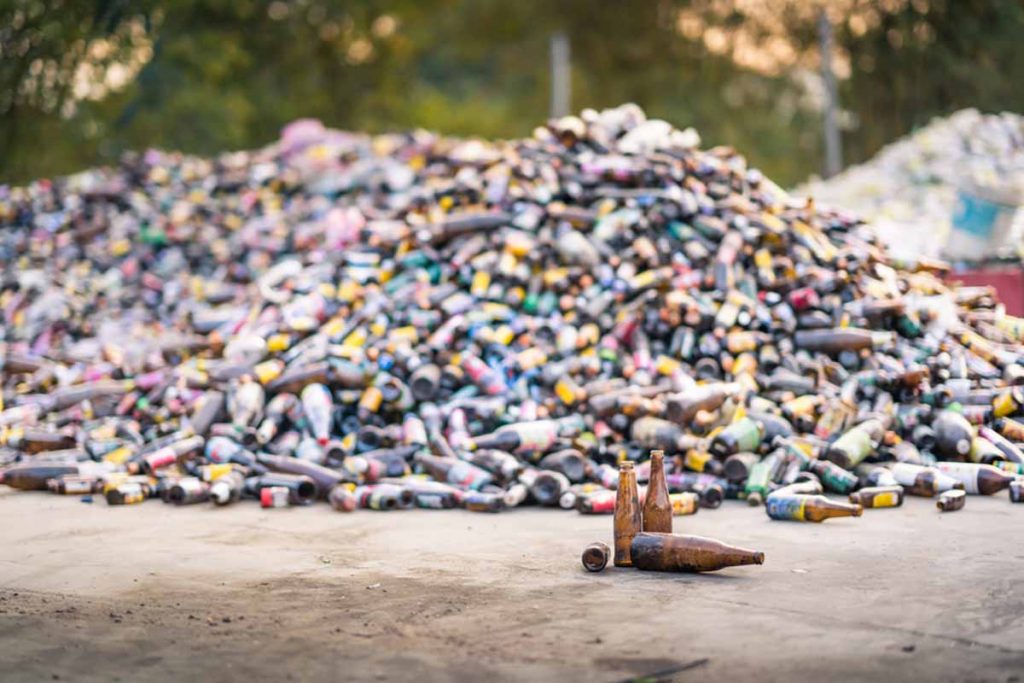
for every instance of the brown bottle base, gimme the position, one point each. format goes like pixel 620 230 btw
pixel 595 557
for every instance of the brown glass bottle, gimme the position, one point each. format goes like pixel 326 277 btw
pixel 878 496
pixel 677 553
pixel 39 440
pixel 74 485
pixel 595 557
pixel 657 510
pixel 627 515
pixel 950 501
pixel 325 478
pixel 977 479
pixel 839 339
pixel 683 407
pixel 809 508
pixel 30 476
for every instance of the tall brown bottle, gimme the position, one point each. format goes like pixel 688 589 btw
pixel 677 553
pixel 627 515
pixel 657 510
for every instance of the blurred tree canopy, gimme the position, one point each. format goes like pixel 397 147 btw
pixel 83 80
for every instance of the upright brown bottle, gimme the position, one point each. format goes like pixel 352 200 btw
pixel 676 553
pixel 627 515
pixel 657 510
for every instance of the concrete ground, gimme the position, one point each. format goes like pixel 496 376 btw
pixel 89 592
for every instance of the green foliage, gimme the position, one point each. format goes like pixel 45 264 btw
pixel 227 74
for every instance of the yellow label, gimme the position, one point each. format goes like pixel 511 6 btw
pixel 495 310
pixel 481 281
pixel 888 499
pixel 348 291
pixel 348 442
pixel 119 456
pixel 645 279
pixel 802 511
pixel 531 358
pixel 408 333
pixel 504 335
pixel 565 391
pixel 803 405
pixel 763 258
pixel 371 399
pixel 696 461
pixel 666 366
pixel 555 276
pixel 684 503
pixel 518 244
pixel 120 247
pixel 745 363
pixel 345 351
pixel 278 342
pixel 1003 404
pixel 356 338
pixel 303 323
pixel 215 471
pixel 268 371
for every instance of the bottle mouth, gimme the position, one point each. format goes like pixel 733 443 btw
pixel 306 490
pixel 219 493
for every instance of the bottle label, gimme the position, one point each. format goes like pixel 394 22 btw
pixel 696 461
pixel 888 499
pixel 161 458
pixel 855 444
pixel 430 500
pixel 962 472
pixel 1003 404
pixel 464 474
pixel 788 507
pixel 274 497
pixel 600 503
pixel 750 437
pixel 74 487
pixel 838 479
pixel 536 436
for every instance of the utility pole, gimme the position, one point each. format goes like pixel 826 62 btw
pixel 833 144
pixel 561 86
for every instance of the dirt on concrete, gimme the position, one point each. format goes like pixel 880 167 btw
pixel 153 592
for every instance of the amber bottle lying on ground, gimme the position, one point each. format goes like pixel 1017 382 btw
pixel 678 553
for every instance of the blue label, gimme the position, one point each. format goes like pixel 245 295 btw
pixel 785 507
pixel 974 215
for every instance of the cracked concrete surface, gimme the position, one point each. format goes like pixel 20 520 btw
pixel 154 592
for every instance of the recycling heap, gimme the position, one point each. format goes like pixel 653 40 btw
pixel 412 320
